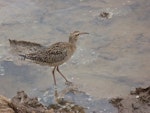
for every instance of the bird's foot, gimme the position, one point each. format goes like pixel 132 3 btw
pixel 68 83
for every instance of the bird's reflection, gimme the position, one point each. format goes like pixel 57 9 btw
pixel 63 105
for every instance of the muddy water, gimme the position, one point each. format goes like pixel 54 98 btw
pixel 110 61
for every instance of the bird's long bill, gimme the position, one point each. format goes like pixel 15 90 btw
pixel 83 33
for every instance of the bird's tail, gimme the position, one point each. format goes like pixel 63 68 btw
pixel 12 42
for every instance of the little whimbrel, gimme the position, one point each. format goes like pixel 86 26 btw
pixel 55 55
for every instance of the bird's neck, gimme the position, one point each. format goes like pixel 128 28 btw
pixel 73 44
pixel 72 41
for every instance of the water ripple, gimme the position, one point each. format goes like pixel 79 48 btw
pixel 2 70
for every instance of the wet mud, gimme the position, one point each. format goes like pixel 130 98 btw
pixel 23 103
pixel 137 101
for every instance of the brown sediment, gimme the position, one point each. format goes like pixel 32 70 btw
pixel 22 103
pixel 137 102
pixel 104 15
pixel 5 105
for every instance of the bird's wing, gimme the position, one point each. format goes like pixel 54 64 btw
pixel 55 53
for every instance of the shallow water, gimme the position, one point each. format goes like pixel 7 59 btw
pixel 109 62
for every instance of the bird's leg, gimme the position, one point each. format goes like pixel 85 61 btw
pixel 67 82
pixel 54 75
pixel 61 74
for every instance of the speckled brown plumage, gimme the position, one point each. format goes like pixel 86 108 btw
pixel 54 55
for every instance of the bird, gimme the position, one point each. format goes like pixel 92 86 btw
pixel 54 55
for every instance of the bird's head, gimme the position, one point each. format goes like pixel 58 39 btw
pixel 75 35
